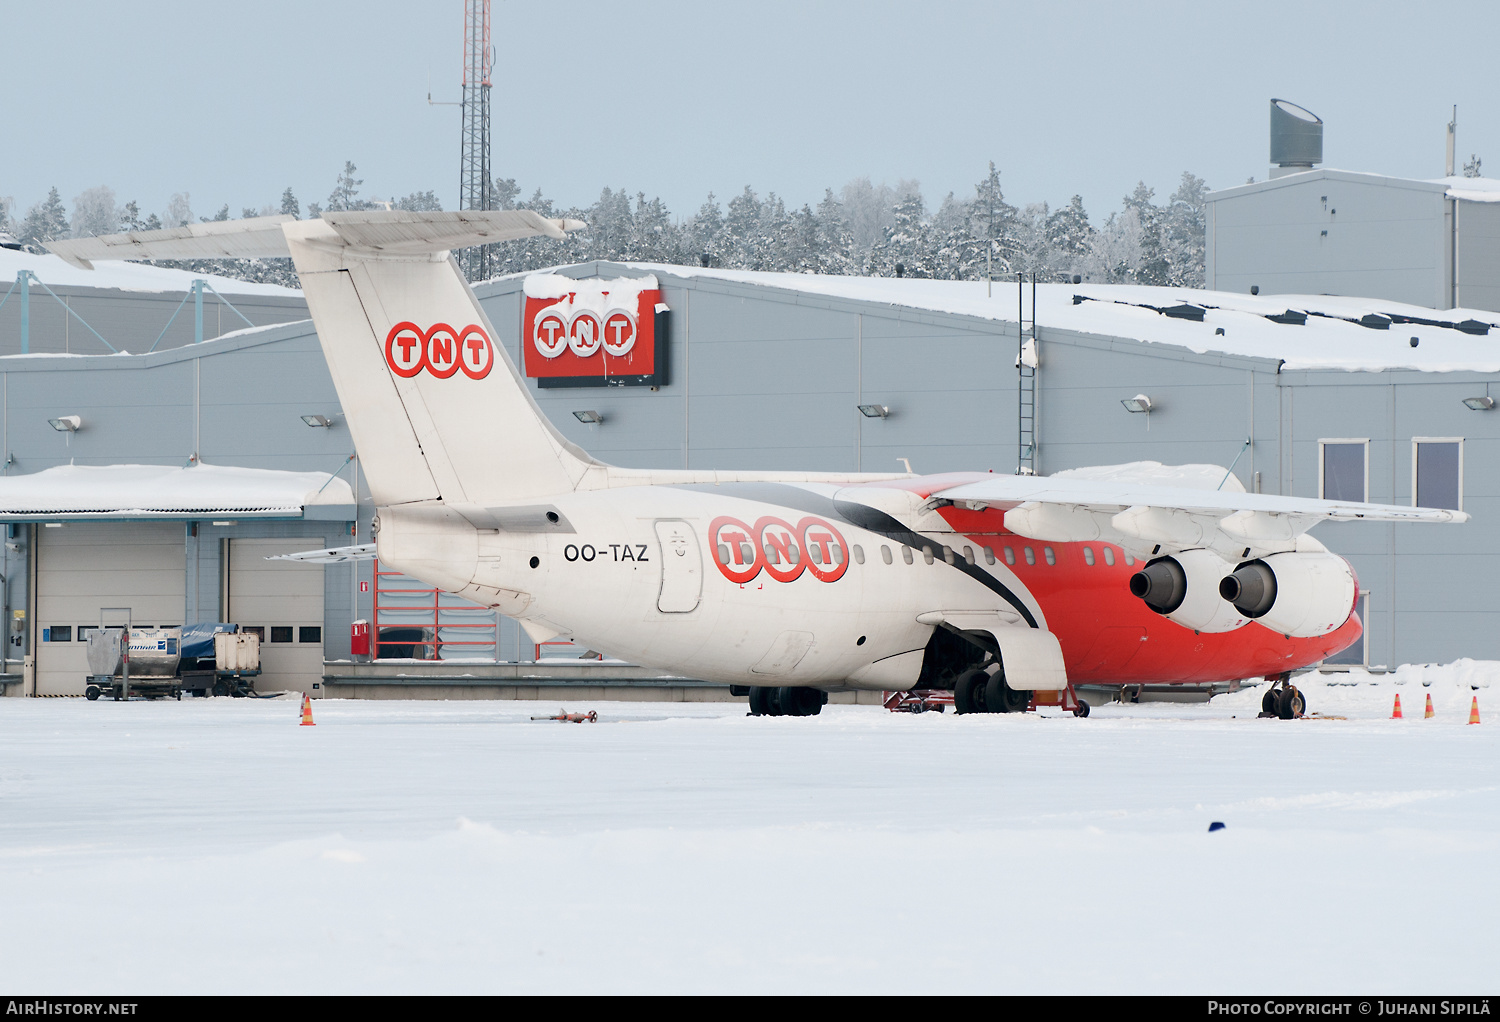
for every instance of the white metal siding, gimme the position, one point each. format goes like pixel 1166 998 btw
pixel 272 594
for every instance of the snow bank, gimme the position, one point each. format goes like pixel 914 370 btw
pixel 1326 340
pixel 54 272
pixel 163 489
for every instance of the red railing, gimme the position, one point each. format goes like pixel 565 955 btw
pixel 425 638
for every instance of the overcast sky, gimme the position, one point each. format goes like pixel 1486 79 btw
pixel 234 102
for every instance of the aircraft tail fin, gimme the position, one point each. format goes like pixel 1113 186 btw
pixel 435 405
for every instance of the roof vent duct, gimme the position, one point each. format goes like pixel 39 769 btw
pixel 1296 138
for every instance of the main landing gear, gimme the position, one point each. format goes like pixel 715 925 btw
pixel 978 691
pixel 1283 699
pixel 787 701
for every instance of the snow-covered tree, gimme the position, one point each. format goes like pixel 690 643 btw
pixel 1184 226
pixel 345 194
pixel 46 221
pixel 289 204
pixel 420 202
pixel 179 212
pixel 95 213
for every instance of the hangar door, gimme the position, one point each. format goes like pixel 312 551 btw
pixel 283 601
pixel 83 566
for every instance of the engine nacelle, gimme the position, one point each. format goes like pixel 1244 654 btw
pixel 1298 594
pixel 1184 587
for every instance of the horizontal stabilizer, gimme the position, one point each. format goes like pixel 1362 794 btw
pixel 258 238
pixel 333 555
pixel 395 232
pixel 404 232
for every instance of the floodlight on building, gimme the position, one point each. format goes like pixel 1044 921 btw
pixel 1479 404
pixel 874 411
pixel 590 416
pixel 66 423
pixel 1139 403
pixel 317 420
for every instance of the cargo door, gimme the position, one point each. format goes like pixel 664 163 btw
pixel 681 568
pixel 83 566
pixel 283 602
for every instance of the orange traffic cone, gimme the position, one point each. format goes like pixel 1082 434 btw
pixel 1474 711
pixel 307 720
pixel 1428 714
pixel 1396 710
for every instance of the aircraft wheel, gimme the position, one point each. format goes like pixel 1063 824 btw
pixel 1294 703
pixel 760 701
pixel 1288 705
pixel 1271 702
pixel 968 692
pixel 799 701
pixel 1001 698
pixel 91 693
pixel 1083 709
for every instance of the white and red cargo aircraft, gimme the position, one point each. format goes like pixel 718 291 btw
pixel 791 584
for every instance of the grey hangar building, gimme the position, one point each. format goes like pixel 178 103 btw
pixel 1354 398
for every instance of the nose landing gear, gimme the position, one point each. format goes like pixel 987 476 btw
pixel 1283 699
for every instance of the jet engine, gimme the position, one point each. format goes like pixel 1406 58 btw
pixel 1298 594
pixel 1184 587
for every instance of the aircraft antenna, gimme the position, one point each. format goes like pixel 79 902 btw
pixel 474 186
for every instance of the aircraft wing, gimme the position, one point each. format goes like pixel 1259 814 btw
pixel 257 238
pixel 1148 519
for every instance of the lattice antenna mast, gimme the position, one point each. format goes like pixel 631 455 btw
pixel 474 187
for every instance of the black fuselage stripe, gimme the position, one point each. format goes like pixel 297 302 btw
pixel 860 516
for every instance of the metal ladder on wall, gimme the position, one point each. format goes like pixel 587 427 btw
pixel 1026 369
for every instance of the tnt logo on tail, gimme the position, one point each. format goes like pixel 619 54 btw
pixel 440 350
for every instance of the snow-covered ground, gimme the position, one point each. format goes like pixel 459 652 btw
pixel 215 845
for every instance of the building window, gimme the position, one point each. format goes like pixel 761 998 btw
pixel 259 631
pixel 281 633
pixel 309 633
pixel 1344 470
pixel 1437 473
pixel 58 633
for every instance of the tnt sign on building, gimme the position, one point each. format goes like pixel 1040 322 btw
pixel 591 333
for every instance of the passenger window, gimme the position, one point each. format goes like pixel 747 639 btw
pixel 948 554
pixel 1047 553
pixel 885 553
pixel 1109 556
pixel 927 554
pixel 723 553
pixel 1129 559
pixel 815 552
pixel 1010 556
pixel 1030 557
pixel 906 554
pixel 968 554
pixel 1088 556
pixel 989 556
pixel 859 554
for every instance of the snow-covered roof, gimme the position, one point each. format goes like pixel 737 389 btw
pixel 164 491
pixel 1304 331
pixel 54 272
pixel 1470 189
